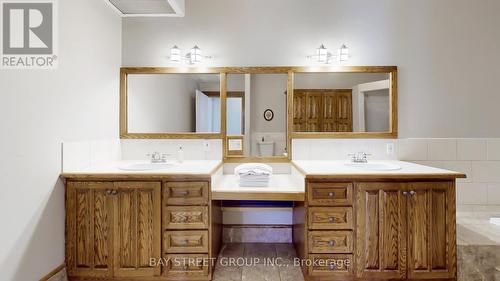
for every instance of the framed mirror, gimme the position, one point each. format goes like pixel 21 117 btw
pixel 168 104
pixel 348 102
pixel 256 115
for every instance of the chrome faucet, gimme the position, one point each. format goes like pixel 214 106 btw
pixel 156 157
pixel 359 157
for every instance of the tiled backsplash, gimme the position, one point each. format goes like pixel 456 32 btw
pixel 194 149
pixel 337 149
pixel 84 154
pixel 478 158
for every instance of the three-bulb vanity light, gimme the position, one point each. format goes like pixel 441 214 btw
pixel 323 56
pixel 194 55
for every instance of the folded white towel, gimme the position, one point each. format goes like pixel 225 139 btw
pixel 253 169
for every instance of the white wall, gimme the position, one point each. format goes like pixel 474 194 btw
pixel 446 51
pixel 38 110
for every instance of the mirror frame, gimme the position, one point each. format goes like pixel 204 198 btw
pixel 393 99
pixel 290 71
pixel 125 71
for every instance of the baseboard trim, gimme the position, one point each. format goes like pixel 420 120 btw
pixel 53 272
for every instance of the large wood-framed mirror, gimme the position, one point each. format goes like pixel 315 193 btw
pixel 170 103
pixel 345 102
pixel 257 111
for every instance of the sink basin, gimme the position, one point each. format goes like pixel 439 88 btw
pixel 146 166
pixel 375 166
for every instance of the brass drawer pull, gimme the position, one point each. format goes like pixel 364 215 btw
pixel 331 243
pixel 331 219
pixel 185 267
pixel 331 194
pixel 333 266
pixel 184 193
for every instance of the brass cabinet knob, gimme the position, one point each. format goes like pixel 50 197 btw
pixel 333 266
pixel 331 243
pixel 331 194
pixel 331 219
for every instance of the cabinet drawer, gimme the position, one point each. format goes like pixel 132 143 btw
pixel 330 242
pixel 330 218
pixel 192 241
pixel 329 194
pixel 331 265
pixel 186 266
pixel 185 193
pixel 192 217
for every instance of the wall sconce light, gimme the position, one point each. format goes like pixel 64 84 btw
pixel 323 56
pixel 343 53
pixel 175 54
pixel 194 55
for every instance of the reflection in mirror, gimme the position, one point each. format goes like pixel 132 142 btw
pixel 173 103
pixel 341 102
pixel 250 133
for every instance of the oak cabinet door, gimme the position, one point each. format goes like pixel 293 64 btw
pixel 137 230
pixel 299 112
pixel 431 230
pixel 344 112
pixel 381 230
pixel 88 229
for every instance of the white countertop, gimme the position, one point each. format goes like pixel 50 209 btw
pixel 187 167
pixel 277 183
pixel 339 168
pixel 287 187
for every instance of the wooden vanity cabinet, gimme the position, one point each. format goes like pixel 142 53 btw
pixel 378 230
pixel 112 228
pixel 406 230
pixel 115 227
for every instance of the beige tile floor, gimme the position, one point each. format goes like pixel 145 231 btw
pixel 254 262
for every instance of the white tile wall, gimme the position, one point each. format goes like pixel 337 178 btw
pixel 442 149
pixel 193 148
pixel 83 154
pixel 325 149
pixel 493 149
pixel 471 149
pixel 478 158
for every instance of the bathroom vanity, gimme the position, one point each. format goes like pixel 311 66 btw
pixel 376 225
pixel 351 221
pixel 348 222
pixel 122 225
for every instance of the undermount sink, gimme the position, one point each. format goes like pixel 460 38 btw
pixel 375 166
pixel 146 166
